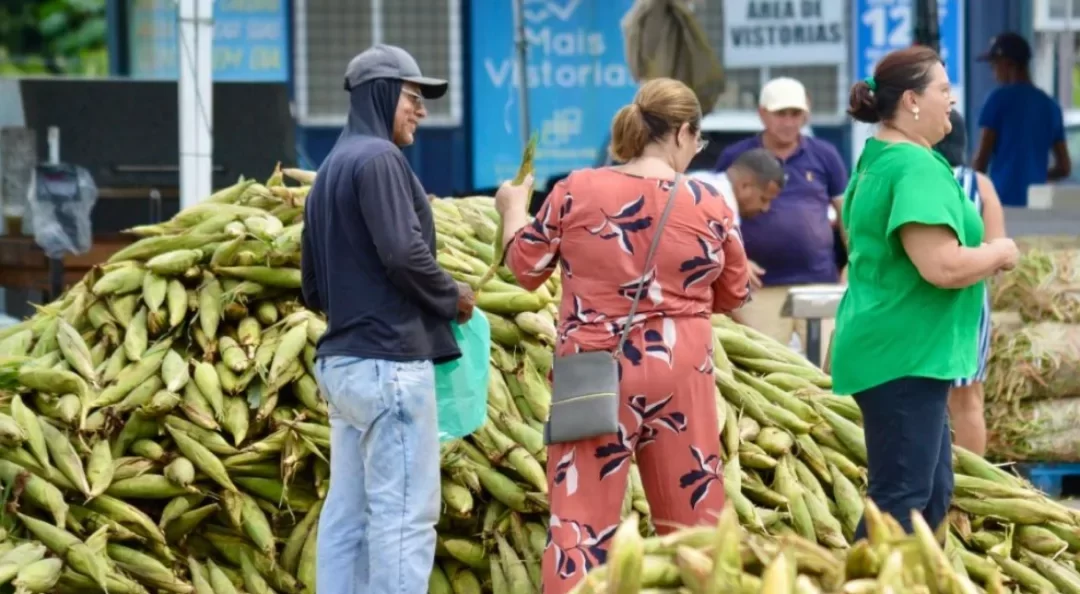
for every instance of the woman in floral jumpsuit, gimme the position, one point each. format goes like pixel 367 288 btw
pixel 597 225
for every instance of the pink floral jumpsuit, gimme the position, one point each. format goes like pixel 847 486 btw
pixel 598 225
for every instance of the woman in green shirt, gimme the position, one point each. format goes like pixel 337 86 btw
pixel 908 322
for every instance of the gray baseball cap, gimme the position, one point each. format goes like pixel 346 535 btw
pixel 389 61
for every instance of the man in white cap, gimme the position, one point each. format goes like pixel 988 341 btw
pixel 793 243
pixel 368 262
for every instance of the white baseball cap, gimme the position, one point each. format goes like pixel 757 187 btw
pixel 783 93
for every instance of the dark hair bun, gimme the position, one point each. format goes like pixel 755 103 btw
pixel 862 103
pixel 900 71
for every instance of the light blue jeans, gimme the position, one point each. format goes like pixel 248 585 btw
pixel 377 527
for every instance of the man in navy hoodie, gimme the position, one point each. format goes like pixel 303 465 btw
pixel 369 264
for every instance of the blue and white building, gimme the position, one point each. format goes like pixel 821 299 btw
pixel 577 76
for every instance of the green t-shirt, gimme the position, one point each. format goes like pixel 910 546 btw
pixel 892 323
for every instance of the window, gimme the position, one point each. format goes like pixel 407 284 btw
pixel 1058 9
pixel 330 32
pixel 1055 15
pixel 825 84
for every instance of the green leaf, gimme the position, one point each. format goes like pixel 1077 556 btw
pixel 86 6
pixel 52 36
pixel 90 33
pixel 53 24
pixel 92 62
pixel 51 7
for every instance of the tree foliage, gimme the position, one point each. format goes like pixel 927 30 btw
pixel 59 37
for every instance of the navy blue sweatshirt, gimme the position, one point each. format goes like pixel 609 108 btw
pixel 369 245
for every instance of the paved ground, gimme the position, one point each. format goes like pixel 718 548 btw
pixel 1021 221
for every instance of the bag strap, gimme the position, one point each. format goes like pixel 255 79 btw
pixel 648 263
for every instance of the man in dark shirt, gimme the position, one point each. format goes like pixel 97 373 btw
pixel 369 264
pixel 1021 126
pixel 792 243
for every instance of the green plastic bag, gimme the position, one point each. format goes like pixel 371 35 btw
pixel 461 384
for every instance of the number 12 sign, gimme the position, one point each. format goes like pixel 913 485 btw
pixel 882 26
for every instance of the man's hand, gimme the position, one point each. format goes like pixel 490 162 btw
pixel 755 276
pixel 466 302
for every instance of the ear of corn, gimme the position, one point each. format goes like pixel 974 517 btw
pixel 119 281
pixel 173 263
pixel 525 169
pixel 210 303
pixel 287 350
pixel 75 351
pixel 30 425
pixel 208 382
pixel 285 278
pixel 66 458
pixel 52 381
pixel 203 459
pixel 305 571
pixel 39 576
pixel 99 468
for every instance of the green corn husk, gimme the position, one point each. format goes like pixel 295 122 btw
pixel 525 169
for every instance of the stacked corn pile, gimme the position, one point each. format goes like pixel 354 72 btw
pixel 794 470
pixel 1033 386
pixel 1042 287
pixel 1039 286
pixel 160 427
pixel 727 558
pixel 161 430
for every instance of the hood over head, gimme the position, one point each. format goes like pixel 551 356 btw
pixel 372 106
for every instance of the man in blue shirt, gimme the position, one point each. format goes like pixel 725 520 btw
pixel 792 243
pixel 1020 124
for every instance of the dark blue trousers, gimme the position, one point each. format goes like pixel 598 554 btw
pixel 909 448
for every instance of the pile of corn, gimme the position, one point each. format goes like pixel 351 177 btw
pixel 1034 366
pixel 727 558
pixel 1042 287
pixel 161 430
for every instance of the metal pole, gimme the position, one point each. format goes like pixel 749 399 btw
pixel 189 104
pixel 56 265
pixel 926 25
pixel 522 59
pixel 204 81
pixel 196 99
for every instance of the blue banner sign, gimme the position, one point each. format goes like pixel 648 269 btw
pixel 251 40
pixel 577 79
pixel 882 26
